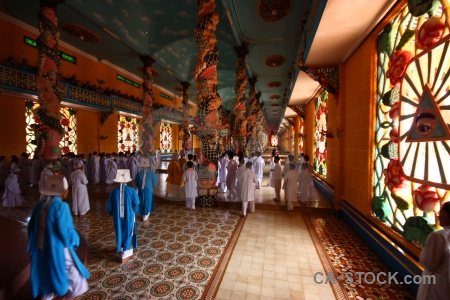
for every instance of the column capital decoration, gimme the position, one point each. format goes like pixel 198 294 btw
pixel 147 60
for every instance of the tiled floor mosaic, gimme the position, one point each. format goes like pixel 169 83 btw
pixel 178 253
pixel 189 254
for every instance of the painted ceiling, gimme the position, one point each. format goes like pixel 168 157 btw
pixel 278 33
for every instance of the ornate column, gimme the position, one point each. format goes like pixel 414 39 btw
pixel 240 125
pixel 252 113
pixel 207 120
pixel 48 129
pixel 147 134
pixel 259 123
pixel 186 138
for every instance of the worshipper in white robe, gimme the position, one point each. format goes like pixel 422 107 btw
pixel 95 168
pixel 190 157
pixel 102 169
pixel 3 171
pixel 111 171
pixel 435 259
pixel 289 160
pixel 259 168
pixel 11 196
pixel 52 241
pixel 252 159
pixel 291 181
pixel 105 166
pixel 275 181
pixel 271 166
pixel 88 165
pixel 249 182
pixel 36 169
pixel 190 178
pixel 80 197
pixel 133 165
pixel 240 170
pixel 301 159
pixel 123 203
pixel 158 157
pixel 25 169
pixel 305 181
pixel 232 167
pixel 47 171
pixel 222 166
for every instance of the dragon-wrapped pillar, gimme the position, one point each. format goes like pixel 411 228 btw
pixel 48 128
pixel 240 125
pixel 186 137
pixel 147 136
pixel 207 119
pixel 252 113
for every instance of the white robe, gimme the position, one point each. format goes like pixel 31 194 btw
pixel 190 178
pixel 80 197
pixel 248 185
pixel 95 169
pixel 305 182
pixel 259 167
pixel 275 181
pixel 239 172
pixel 111 171
pixel 435 258
pixel 12 196
pixel 223 162
pixel 291 179
pixel 133 165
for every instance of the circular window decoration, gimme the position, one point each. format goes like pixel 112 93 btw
pixel 275 61
pixel 274 84
pixel 424 135
pixel 80 32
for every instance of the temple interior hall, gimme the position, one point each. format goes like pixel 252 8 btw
pixel 359 89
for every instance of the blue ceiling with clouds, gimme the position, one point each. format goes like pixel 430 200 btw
pixel 164 29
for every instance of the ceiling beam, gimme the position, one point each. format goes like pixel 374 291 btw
pixel 298 109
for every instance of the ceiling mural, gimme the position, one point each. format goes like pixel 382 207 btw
pixel 121 31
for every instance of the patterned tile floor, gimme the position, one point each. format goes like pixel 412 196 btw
pixel 270 254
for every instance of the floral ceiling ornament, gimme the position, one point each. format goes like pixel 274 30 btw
pixel 80 32
pixel 274 84
pixel 327 77
pixel 273 11
pixel 275 61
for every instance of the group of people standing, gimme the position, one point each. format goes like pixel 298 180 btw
pixel 55 267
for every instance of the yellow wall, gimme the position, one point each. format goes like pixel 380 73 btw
pixel 12 126
pixel 90 135
pixel 358 115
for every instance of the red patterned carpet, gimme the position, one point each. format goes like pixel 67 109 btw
pixel 342 252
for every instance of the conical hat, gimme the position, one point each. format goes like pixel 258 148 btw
pixel 123 175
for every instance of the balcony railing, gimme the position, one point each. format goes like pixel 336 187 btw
pixel 25 82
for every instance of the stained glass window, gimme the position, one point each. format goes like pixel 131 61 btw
pixel 165 134
pixel 300 135
pixel 320 144
pixel 410 149
pixel 128 136
pixel 68 142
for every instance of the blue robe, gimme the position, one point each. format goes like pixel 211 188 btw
pixel 48 266
pixel 146 194
pixel 125 229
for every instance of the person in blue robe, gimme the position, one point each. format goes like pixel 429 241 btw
pixel 52 241
pixel 123 203
pixel 146 180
